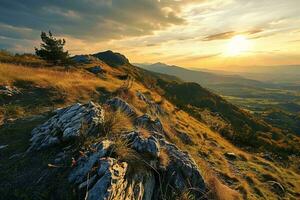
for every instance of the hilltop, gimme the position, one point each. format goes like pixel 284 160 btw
pixel 63 130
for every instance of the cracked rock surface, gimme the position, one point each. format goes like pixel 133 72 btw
pixel 67 124
pixel 99 174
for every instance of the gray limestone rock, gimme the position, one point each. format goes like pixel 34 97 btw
pixel 67 124
pixel 122 105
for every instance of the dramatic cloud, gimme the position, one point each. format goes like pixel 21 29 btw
pixel 89 19
pixel 152 30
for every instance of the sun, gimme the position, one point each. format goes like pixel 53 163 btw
pixel 237 45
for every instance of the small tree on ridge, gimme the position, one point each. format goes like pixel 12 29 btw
pixel 52 49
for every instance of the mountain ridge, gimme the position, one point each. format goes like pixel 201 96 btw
pixel 150 126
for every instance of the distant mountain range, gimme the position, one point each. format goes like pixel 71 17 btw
pixel 262 77
pixel 206 79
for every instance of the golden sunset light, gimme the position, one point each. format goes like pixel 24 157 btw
pixel 189 33
pixel 237 45
pixel 150 99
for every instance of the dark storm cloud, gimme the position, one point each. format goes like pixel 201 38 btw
pixel 92 20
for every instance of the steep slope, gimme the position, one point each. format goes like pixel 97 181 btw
pixel 255 96
pixel 201 77
pixel 228 171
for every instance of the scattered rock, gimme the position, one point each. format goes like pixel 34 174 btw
pixel 122 105
pixel 9 91
pixel 148 123
pixel 67 124
pixel 277 187
pixel 96 70
pixel 185 138
pixel 3 146
pixel 230 156
pixel 154 107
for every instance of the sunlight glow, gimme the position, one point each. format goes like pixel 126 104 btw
pixel 237 45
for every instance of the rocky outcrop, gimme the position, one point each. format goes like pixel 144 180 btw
pixel 119 104
pixel 182 172
pixel 149 145
pixel 109 178
pixel 148 123
pixel 154 107
pixel 67 124
pixel 100 173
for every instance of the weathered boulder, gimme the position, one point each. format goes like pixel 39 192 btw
pixel 147 122
pixel 85 164
pixel 154 107
pixel 117 103
pixel 149 145
pixel 109 180
pixel 182 172
pixel 67 124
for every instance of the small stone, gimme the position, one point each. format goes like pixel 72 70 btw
pixel 96 70
pixel 230 156
pixel 3 146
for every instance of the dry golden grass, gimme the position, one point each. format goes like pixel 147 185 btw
pixel 115 123
pixel 122 150
pixel 144 132
pixel 219 191
pixel 74 83
pixel 208 152
pixel 185 195
pixel 164 158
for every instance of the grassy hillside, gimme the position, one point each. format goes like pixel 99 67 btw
pixel 196 120
pixel 255 96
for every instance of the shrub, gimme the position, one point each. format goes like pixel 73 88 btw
pixel 164 158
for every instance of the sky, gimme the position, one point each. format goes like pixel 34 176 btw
pixel 216 34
